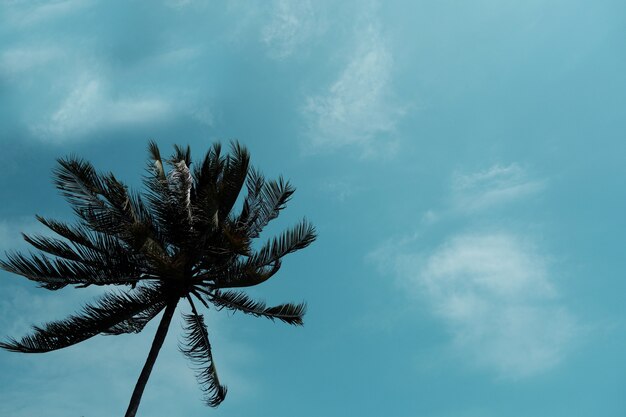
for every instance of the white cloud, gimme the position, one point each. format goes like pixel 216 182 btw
pixel 493 291
pixel 358 108
pixel 496 297
pixel 293 23
pixel 494 186
pixel 77 93
pixel 478 192
pixel 90 106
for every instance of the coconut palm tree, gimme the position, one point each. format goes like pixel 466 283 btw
pixel 181 239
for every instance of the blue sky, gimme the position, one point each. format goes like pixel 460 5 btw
pixel 463 163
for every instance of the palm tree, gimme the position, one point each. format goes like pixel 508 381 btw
pixel 183 238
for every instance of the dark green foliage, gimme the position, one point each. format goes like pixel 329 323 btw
pixel 180 239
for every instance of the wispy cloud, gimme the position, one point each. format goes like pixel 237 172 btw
pixel 292 24
pixel 480 192
pixel 493 288
pixel 90 106
pixel 359 108
pixel 495 186
pixel 494 293
pixel 28 13
pixel 16 60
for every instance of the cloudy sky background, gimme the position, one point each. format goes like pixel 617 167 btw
pixel 462 161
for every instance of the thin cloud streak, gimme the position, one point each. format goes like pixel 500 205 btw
pixel 89 107
pixel 495 186
pixel 29 14
pixel 359 107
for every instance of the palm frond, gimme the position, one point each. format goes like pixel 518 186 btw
pixel 78 181
pixel 136 323
pixel 75 234
pixel 155 155
pixel 54 274
pixel 291 240
pixel 198 349
pixel 96 318
pixel 263 203
pixel 182 154
pixel 103 251
pixel 81 185
pixel 164 196
pixel 234 273
pixel 136 224
pixel 234 178
pixel 93 247
pixel 205 193
pixel 238 301
pixel 181 183
pixel 104 203
pixel 54 247
pixel 209 172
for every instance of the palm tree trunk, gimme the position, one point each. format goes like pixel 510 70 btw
pixel 159 337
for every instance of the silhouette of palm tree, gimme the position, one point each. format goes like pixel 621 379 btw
pixel 180 239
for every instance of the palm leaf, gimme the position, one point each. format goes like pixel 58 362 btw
pixel 80 235
pixel 233 179
pixel 55 247
pixel 104 252
pixel 107 312
pixel 198 349
pixel 79 183
pixel 181 183
pixel 155 155
pixel 238 301
pixel 182 154
pixel 263 203
pixel 136 323
pixel 94 247
pixel 104 203
pixel 54 274
pixel 205 194
pixel 299 237
pixel 236 274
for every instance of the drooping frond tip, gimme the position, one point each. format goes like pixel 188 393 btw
pixel 198 349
